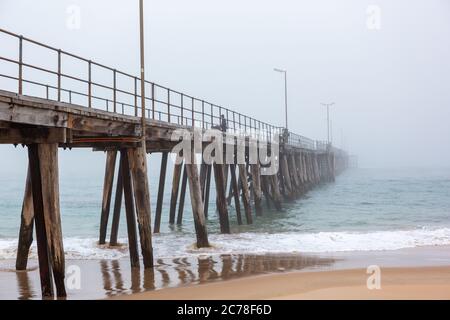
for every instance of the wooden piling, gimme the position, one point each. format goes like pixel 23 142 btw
pixel 245 193
pixel 286 176
pixel 182 197
pixel 175 188
pixel 159 202
pixel 107 191
pixel 265 186
pixel 276 194
pixel 26 226
pixel 197 203
pixel 235 190
pixel 256 187
pixel 294 174
pixel 138 166
pixel 129 209
pixel 43 162
pixel 45 270
pixel 207 190
pixel 117 207
pixel 221 198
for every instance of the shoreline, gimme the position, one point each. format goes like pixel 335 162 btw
pixel 349 284
pixel 115 279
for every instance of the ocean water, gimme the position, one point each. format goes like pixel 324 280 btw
pixel 364 210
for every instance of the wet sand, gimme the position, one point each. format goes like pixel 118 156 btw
pixel 396 283
pixel 289 276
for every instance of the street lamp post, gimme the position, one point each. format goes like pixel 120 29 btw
pixel 141 25
pixel 328 105
pixel 285 93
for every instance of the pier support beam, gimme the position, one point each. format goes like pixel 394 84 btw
pixel 182 197
pixel 107 191
pixel 129 209
pixel 117 207
pixel 221 198
pixel 245 193
pixel 43 164
pixel 138 168
pixel 26 227
pixel 256 186
pixel 207 190
pixel 294 174
pixel 276 194
pixel 197 203
pixel 286 176
pixel 159 202
pixel 175 187
pixel 235 190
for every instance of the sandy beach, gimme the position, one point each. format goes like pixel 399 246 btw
pixel 396 283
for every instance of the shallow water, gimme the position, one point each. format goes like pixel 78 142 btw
pixel 365 209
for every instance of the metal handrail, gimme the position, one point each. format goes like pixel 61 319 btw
pixel 165 104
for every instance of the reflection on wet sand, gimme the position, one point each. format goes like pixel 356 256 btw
pixel 24 286
pixel 117 278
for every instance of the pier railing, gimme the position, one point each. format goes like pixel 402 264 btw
pixel 77 80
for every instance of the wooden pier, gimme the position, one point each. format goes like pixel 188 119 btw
pixel 111 125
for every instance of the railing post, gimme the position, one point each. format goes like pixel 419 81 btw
pixel 59 75
pixel 90 84
pixel 234 122
pixel 182 109
pixel 115 93
pixel 212 116
pixel 193 116
pixel 240 124
pixel 168 105
pixel 135 97
pixel 203 114
pixel 20 64
pixel 226 116
pixel 46 91
pixel 70 96
pixel 153 101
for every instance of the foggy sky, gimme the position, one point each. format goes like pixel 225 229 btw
pixel 391 86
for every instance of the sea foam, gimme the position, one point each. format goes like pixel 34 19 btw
pixel 177 245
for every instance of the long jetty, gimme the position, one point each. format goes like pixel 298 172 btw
pixel 46 108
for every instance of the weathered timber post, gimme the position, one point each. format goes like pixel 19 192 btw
pixel 203 174
pixel 26 227
pixel 43 164
pixel 235 190
pixel 221 197
pixel 107 192
pixel 286 176
pixel 129 209
pixel 117 207
pixel 266 189
pixel 319 168
pixel 159 202
pixel 305 171
pixel 297 161
pixel 245 193
pixel 315 167
pixel 333 166
pixel 276 194
pixel 256 186
pixel 138 166
pixel 294 174
pixel 197 202
pixel 175 187
pixel 207 190
pixel 182 197
pixel 309 168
